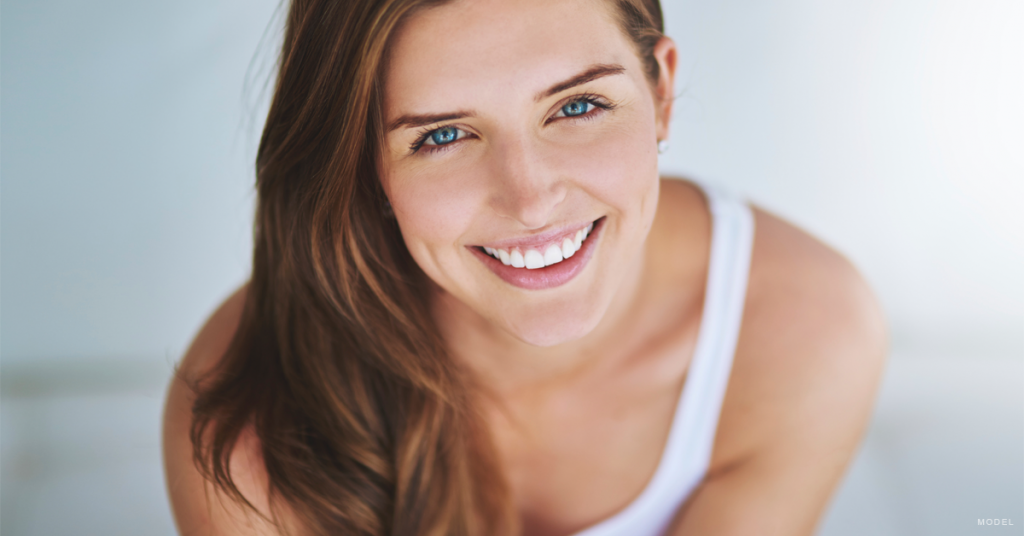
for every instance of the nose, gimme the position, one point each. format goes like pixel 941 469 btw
pixel 527 186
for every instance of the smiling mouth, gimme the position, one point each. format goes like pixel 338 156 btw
pixel 546 263
pixel 532 258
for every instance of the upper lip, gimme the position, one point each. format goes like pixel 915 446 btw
pixel 538 240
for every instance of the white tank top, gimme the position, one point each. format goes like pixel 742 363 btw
pixel 687 452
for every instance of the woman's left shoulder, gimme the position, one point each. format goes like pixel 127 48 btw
pixel 811 350
pixel 804 297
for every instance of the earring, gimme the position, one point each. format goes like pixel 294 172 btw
pixel 388 212
pixel 662 146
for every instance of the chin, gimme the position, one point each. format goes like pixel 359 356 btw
pixel 547 330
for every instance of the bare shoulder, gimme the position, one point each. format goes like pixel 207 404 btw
pixel 806 370
pixel 213 338
pixel 812 344
pixel 198 507
pixel 805 298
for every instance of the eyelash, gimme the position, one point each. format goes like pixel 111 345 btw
pixel 599 103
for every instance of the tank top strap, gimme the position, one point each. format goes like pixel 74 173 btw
pixel 687 453
pixel 696 421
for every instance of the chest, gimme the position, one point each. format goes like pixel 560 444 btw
pixel 577 457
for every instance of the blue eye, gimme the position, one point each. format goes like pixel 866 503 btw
pixel 443 136
pixel 438 139
pixel 576 108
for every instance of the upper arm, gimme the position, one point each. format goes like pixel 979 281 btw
pixel 199 508
pixel 805 376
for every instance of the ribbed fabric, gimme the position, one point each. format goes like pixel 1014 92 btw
pixel 687 452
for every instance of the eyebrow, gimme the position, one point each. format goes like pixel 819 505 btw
pixel 597 71
pixel 413 121
pixel 593 73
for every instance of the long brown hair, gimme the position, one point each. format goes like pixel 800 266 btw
pixel 366 425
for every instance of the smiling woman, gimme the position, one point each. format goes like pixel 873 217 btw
pixel 476 308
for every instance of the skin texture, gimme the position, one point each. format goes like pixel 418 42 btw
pixel 198 508
pixel 519 171
pixel 584 378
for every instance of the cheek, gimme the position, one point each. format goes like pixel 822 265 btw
pixel 433 209
pixel 618 164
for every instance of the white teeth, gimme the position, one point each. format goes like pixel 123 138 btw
pixel 533 259
pixel 552 255
pixel 568 248
pixel 516 258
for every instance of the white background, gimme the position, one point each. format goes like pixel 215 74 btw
pixel 893 130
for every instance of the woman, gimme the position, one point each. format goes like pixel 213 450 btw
pixel 475 308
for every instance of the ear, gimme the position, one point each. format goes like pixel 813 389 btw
pixel 665 54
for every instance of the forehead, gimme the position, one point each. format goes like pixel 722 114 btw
pixel 469 49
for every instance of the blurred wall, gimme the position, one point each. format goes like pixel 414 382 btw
pixel 891 128
pixel 128 135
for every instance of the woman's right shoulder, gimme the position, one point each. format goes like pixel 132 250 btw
pixel 199 507
pixel 212 341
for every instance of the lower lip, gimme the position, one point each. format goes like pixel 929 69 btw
pixel 552 276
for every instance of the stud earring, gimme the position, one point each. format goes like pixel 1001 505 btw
pixel 662 146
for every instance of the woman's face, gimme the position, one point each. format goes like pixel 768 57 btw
pixel 514 129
